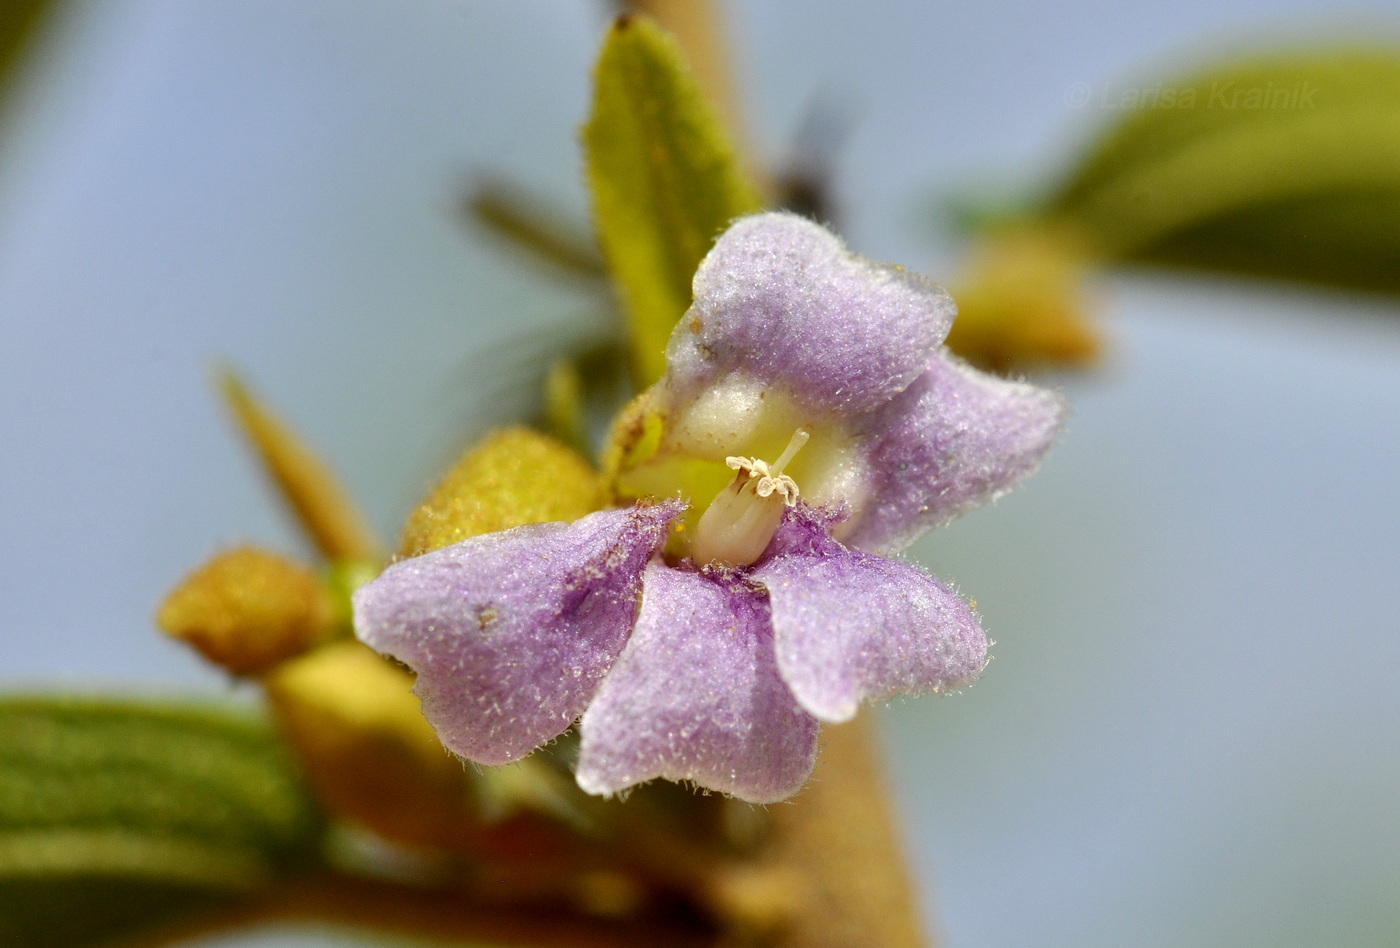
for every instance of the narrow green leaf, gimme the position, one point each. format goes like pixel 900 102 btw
pixel 67 912
pixel 1346 240
pixel 318 501
pixel 19 20
pixel 664 179
pixel 115 814
pixel 1156 118
pixel 1310 155
pixel 1283 164
pixel 531 226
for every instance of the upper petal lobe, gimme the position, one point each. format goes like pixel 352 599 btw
pixel 780 302
pixel 510 632
pixel 955 439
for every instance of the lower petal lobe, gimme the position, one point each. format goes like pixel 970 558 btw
pixel 697 696
pixel 852 626
pixel 510 632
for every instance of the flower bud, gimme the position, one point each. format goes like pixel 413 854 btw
pixel 369 754
pixel 512 477
pixel 248 609
pixel 1022 302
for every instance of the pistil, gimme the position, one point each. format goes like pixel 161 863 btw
pixel 735 529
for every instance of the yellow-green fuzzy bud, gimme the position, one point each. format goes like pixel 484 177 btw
pixel 514 476
pixel 248 609
pixel 1022 303
pixel 366 749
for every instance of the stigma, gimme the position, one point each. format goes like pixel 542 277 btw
pixel 735 529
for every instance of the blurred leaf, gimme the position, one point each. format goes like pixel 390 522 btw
pixel 805 183
pixel 116 815
pixel 320 504
pixel 1346 240
pixel 18 22
pixel 564 404
pixel 528 225
pixel 664 179
pixel 1282 164
pixel 1212 101
pixel 1285 164
pixel 71 912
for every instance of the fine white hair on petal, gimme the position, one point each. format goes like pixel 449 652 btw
pixel 697 696
pixel 780 299
pixel 851 627
pixel 511 632
pixel 954 440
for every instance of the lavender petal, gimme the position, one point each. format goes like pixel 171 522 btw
pixel 697 696
pixel 955 439
pixel 780 302
pixel 510 632
pixel 852 626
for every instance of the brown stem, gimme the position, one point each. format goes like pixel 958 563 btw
pixel 443 915
pixel 827 872
pixel 838 844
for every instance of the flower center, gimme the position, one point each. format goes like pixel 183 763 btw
pixel 735 529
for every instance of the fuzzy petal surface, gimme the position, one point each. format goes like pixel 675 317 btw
pixel 510 632
pixel 955 439
pixel 780 302
pixel 697 696
pixel 851 626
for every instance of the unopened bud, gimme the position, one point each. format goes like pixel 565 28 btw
pixel 1022 302
pixel 357 730
pixel 248 609
pixel 512 477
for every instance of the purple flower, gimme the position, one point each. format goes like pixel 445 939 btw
pixel 706 641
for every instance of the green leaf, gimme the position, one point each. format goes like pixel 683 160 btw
pixel 1285 164
pixel 73 912
pixel 19 20
pixel 664 179
pixel 1346 240
pixel 1213 101
pixel 531 226
pixel 118 814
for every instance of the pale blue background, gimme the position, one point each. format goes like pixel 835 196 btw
pixel 1190 734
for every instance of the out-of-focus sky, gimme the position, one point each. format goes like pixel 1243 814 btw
pixel 1190 732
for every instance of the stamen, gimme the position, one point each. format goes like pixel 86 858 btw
pixel 736 527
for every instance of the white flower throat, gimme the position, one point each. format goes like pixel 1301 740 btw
pixel 735 529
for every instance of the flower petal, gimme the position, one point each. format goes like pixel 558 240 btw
pixel 697 696
pixel 851 626
pixel 955 439
pixel 510 632
pixel 780 302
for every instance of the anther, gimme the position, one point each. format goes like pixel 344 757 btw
pixel 735 529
